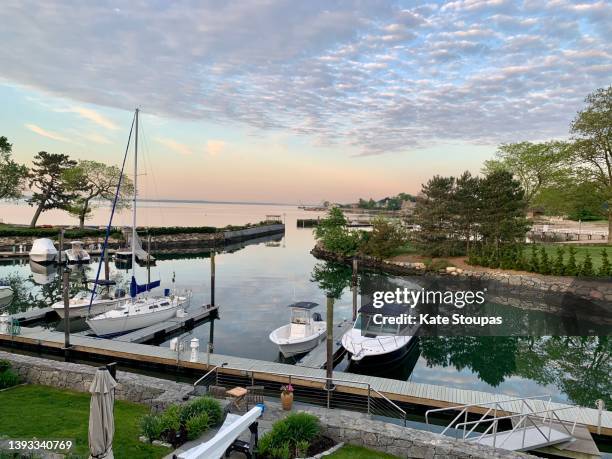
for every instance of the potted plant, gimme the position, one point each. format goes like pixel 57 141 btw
pixel 287 397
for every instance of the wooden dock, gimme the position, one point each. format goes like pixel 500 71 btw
pixel 317 358
pixel 160 330
pixel 426 395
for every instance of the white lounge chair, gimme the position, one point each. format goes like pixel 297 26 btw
pixel 226 439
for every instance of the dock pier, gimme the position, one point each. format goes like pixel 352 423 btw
pixel 317 358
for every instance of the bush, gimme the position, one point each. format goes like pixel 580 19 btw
pixel 151 427
pixel 544 264
pixel 289 437
pixel 196 425
pixel 4 365
pixel 587 266
pixel 571 269
pixel 171 419
pixel 559 266
pixel 203 405
pixel 8 378
pixel 534 261
pixel 605 269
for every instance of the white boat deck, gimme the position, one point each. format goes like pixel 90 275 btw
pixel 429 395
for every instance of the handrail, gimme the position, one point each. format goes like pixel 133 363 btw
pixel 208 373
pixel 391 403
pixel 514 416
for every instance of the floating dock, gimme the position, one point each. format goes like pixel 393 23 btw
pixel 317 358
pixel 159 331
pixel 32 315
pixel 425 395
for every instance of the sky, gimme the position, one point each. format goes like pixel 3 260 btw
pixel 296 102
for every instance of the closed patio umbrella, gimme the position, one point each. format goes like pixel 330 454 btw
pixel 101 418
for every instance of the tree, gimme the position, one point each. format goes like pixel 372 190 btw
pixel 605 269
pixel 12 175
pixel 384 239
pixel 48 183
pixel 592 147
pixel 467 206
pixel 91 181
pixel 534 165
pixel 334 234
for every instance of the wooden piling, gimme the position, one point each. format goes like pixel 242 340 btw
pixel 65 294
pixel 329 367
pixel 354 284
pixel 212 278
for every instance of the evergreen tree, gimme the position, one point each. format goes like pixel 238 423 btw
pixel 571 269
pixel 545 267
pixel 559 267
pixel 605 269
pixel 587 266
pixel 534 262
pixel 520 263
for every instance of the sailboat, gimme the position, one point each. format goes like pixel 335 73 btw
pixel 141 310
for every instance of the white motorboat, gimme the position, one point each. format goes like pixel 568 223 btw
pixel 6 295
pixel 76 253
pixel 372 343
pixel 140 310
pixel 43 274
pixel 43 251
pixel 303 333
pixel 139 313
pixel 81 304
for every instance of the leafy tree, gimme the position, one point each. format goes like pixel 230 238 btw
pixel 572 268
pixel 605 269
pixel 48 183
pixel 534 165
pixel 92 181
pixel 592 147
pixel 12 175
pixel 587 266
pixel 559 266
pixel 334 234
pixel 384 239
pixel 332 278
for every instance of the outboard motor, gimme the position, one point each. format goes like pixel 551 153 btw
pixel 317 317
pixel 166 292
pixel 119 293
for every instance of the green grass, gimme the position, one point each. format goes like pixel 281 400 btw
pixel 358 452
pixel 581 251
pixel 44 412
pixel 406 249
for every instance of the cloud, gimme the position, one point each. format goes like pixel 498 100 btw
pixel 214 147
pixel 93 116
pixel 175 146
pixel 49 134
pixel 374 76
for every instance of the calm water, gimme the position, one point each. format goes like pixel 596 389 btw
pixel 255 283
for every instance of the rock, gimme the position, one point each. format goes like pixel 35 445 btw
pixel 451 269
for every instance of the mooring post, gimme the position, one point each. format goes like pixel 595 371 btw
pixel 106 267
pixel 329 367
pixel 65 294
pixel 148 259
pixel 212 278
pixel 61 245
pixel 354 283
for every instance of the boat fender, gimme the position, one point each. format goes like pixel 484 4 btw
pixel 317 317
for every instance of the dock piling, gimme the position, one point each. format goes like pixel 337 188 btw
pixel 354 284
pixel 65 294
pixel 329 367
pixel 212 278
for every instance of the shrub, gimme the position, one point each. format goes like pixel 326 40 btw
pixel 203 405
pixel 171 419
pixel 559 267
pixel 151 427
pixel 587 266
pixel 534 261
pixel 290 436
pixel 196 425
pixel 544 264
pixel 8 378
pixel 4 365
pixel 605 269
pixel 571 269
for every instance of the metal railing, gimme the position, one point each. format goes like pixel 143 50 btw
pixel 527 418
pixel 315 390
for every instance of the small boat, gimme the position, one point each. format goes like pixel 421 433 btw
pixel 79 305
pixel 303 333
pixel 6 294
pixel 369 343
pixel 134 314
pixel 43 251
pixel 123 257
pixel 76 253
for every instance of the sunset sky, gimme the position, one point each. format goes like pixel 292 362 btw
pixel 284 101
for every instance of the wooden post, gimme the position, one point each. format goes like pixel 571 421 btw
pixel 212 278
pixel 354 283
pixel 148 259
pixel 329 367
pixel 61 245
pixel 106 267
pixel 65 294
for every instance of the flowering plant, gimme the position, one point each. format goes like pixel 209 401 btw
pixel 287 389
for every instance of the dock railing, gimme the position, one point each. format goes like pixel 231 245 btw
pixel 528 417
pixel 315 390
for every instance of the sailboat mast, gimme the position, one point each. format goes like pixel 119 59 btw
pixel 134 200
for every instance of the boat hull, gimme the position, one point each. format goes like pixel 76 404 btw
pixel 291 348
pixel 6 295
pixel 43 258
pixel 379 350
pixel 82 310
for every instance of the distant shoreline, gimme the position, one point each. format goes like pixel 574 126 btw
pixel 198 201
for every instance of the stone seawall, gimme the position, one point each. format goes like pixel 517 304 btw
pixel 157 393
pixel 595 291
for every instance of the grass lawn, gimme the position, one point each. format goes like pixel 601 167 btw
pixel 581 251
pixel 358 452
pixel 48 413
